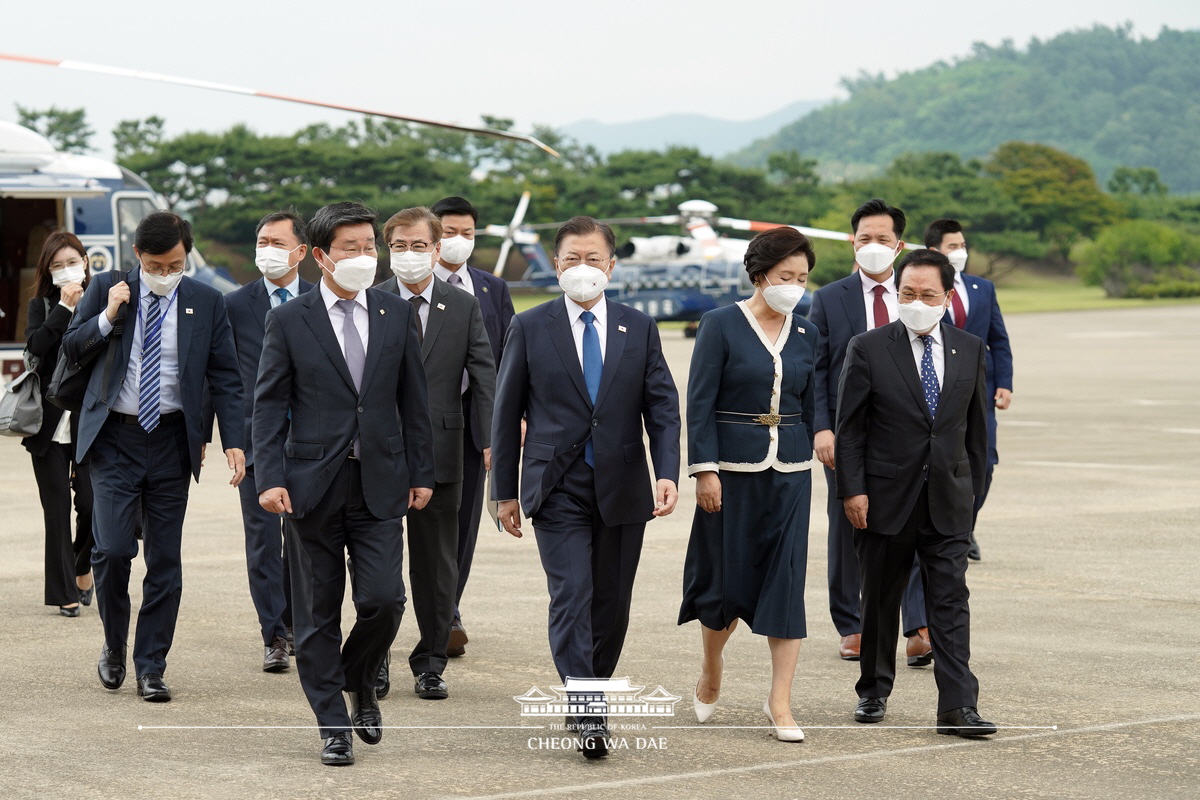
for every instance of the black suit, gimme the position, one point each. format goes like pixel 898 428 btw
pixel 340 504
pixel 454 340
pixel 265 565
pixel 589 522
pixel 920 473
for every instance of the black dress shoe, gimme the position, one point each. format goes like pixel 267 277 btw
pixel 152 689
pixel 338 750
pixel 275 656
pixel 112 667
pixel 368 722
pixel 85 595
pixel 973 551
pixel 593 736
pixel 458 640
pixel 69 611
pixel 964 722
pixel 430 686
pixel 870 709
pixel 383 681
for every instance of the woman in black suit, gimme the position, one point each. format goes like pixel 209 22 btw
pixel 61 277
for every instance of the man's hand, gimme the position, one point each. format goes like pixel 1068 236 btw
pixel 823 446
pixel 509 514
pixel 237 463
pixel 203 453
pixel 708 491
pixel 856 510
pixel 418 497
pixel 276 500
pixel 117 295
pixel 666 495
pixel 1003 399
pixel 70 294
pixel 523 426
pixel 487 459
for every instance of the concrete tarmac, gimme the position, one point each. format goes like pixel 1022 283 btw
pixel 1085 616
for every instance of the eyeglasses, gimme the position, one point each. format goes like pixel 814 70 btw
pixel 162 273
pixel 404 247
pixel 74 262
pixel 925 297
pixel 575 261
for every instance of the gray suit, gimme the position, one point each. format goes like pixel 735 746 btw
pixel 455 339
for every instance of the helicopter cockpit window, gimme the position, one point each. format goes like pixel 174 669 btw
pixel 130 211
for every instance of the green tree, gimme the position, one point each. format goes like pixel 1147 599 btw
pixel 137 136
pixel 66 128
pixel 1136 180
pixel 1142 258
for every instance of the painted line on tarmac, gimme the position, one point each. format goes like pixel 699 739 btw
pixel 318 727
pixel 804 762
pixel 1090 465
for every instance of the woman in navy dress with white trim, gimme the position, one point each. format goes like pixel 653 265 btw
pixel 749 417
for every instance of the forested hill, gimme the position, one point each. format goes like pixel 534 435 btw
pixel 1104 95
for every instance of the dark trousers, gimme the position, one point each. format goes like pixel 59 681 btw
pixel 590 569
pixel 844 584
pixel 981 498
pixel 140 475
pixel 57 474
pixel 470 510
pixel 318 543
pixel 884 563
pixel 266 564
pixel 433 575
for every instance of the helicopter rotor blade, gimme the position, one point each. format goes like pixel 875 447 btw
pixel 508 232
pixel 670 219
pixel 505 246
pixel 82 66
pixel 755 225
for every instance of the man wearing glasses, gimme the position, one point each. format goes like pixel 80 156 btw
pixel 144 433
pixel 453 340
pixel 911 450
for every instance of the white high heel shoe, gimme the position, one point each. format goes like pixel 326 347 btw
pixel 705 710
pixel 782 734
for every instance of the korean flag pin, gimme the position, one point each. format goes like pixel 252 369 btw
pixel 187 311
pixel 441 306
pixel 621 328
pixel 382 312
pixel 799 329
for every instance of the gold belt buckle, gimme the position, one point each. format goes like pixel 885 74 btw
pixel 768 419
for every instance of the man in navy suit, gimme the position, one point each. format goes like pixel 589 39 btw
pixel 862 301
pixel 144 432
pixel 343 447
pixel 280 245
pixel 976 310
pixel 459 219
pixel 587 375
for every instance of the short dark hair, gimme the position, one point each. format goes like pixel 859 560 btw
pixel 43 282
pixel 298 226
pixel 413 216
pixel 161 231
pixel 875 208
pixel 927 258
pixel 324 223
pixel 773 246
pixel 582 226
pixel 938 229
pixel 454 205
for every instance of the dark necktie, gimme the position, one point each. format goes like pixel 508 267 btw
pixel 593 365
pixel 416 301
pixel 356 355
pixel 880 309
pixel 929 379
pixel 148 390
pixel 282 294
pixel 960 313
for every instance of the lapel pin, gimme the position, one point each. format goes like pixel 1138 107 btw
pixel 382 312
pixel 485 290
pixel 953 352
pixel 974 285
pixel 187 311
pixel 799 329
pixel 621 328
pixel 441 306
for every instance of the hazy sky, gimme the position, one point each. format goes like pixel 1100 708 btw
pixel 532 60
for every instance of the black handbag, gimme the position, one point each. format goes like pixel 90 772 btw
pixel 68 385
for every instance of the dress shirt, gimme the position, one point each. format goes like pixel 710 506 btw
pixel 574 310
pixel 423 313
pixel 337 316
pixel 939 352
pixel 293 290
pixel 462 272
pixel 168 366
pixel 960 289
pixel 62 434
pixel 889 298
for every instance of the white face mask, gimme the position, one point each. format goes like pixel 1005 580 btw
pixel 412 267
pixel 958 259
pixel 782 298
pixel 457 249
pixel 273 262
pixel 919 317
pixel 161 285
pixel 874 258
pixel 354 274
pixel 582 282
pixel 68 275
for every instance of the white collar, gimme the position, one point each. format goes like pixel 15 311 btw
pixel 936 333
pixel 600 310
pixel 330 298
pixel 869 283
pixel 293 288
pixel 444 273
pixel 407 293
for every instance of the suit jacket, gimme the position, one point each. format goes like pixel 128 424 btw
pixel 985 321
pixel 455 340
pixel 497 307
pixel 887 442
pixel 248 307
pixel 541 380
pixel 302 372
pixel 206 354
pixel 43 337
pixel 839 315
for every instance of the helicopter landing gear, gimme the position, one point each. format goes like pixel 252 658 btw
pixel 689 330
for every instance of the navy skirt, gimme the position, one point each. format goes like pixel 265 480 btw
pixel 748 560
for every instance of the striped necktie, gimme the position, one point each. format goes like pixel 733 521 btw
pixel 148 393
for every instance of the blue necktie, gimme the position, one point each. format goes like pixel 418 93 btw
pixel 593 365
pixel 929 379
pixel 282 295
pixel 148 391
